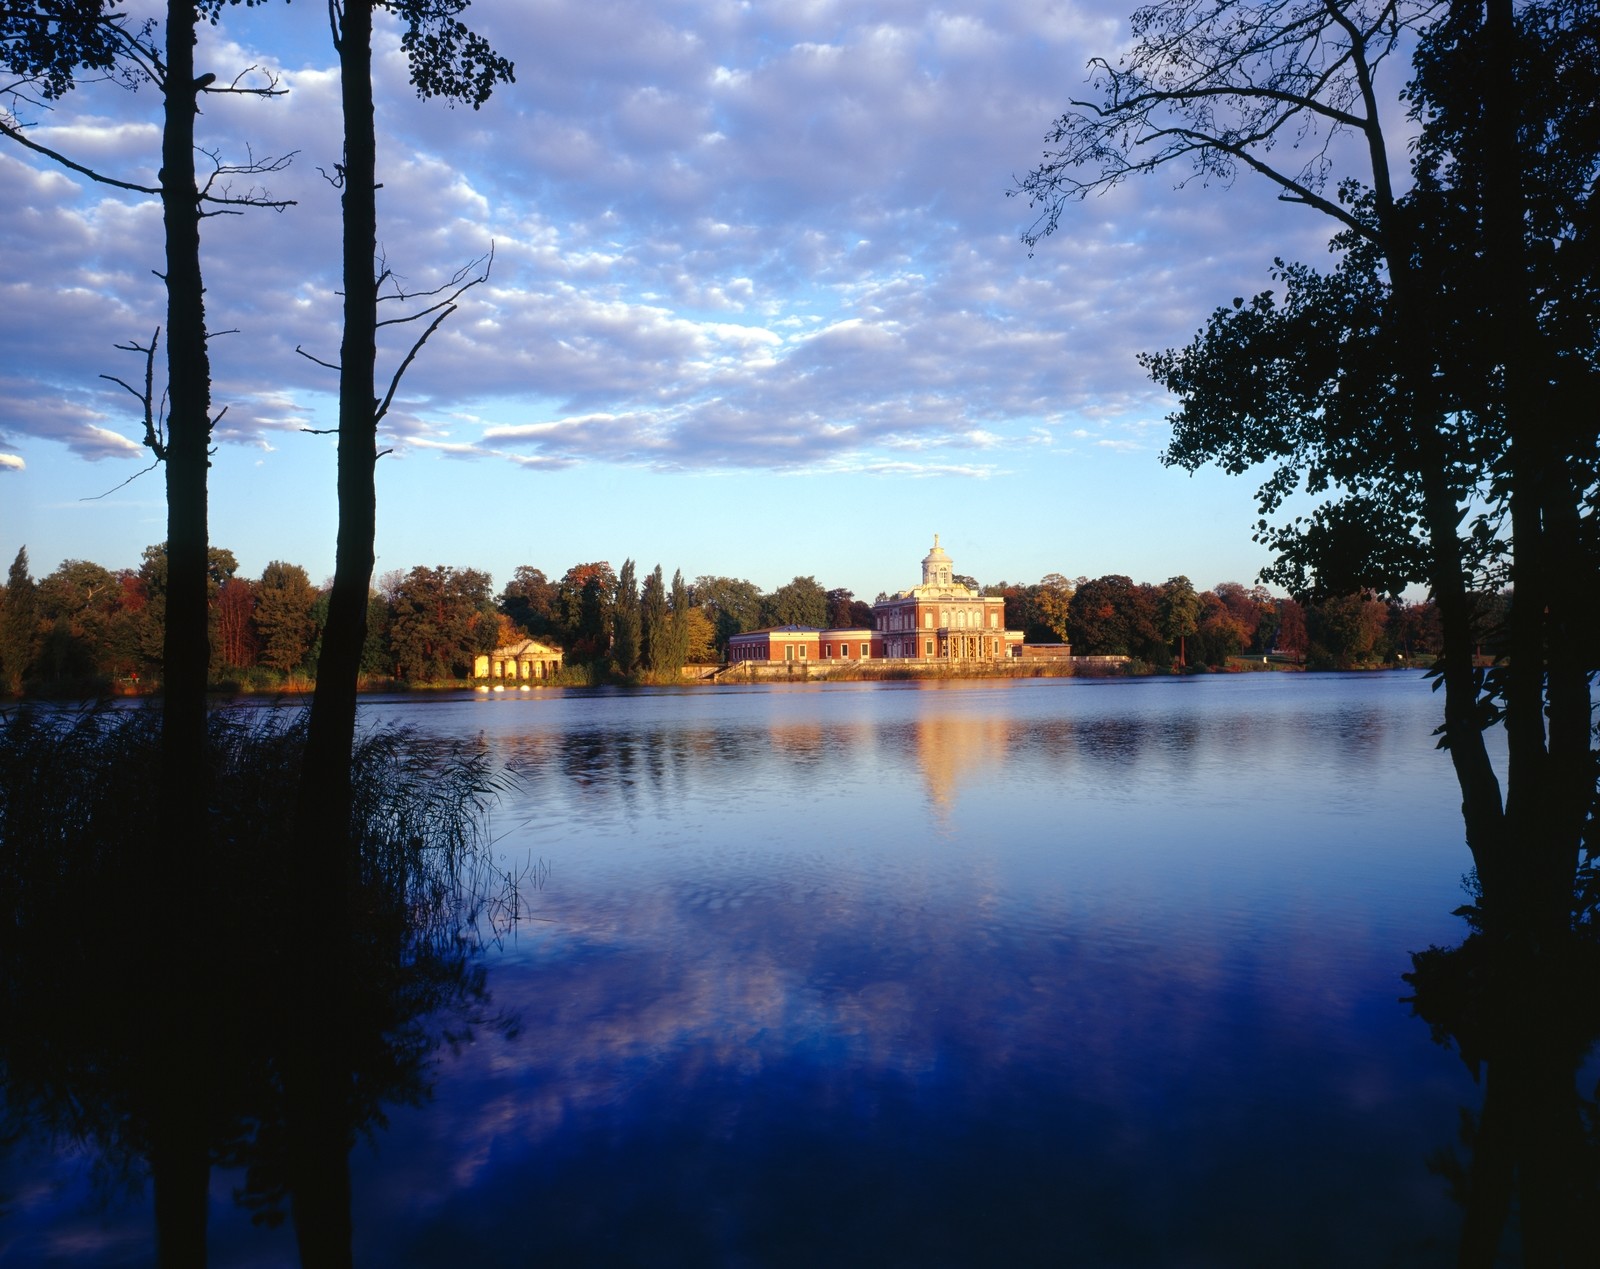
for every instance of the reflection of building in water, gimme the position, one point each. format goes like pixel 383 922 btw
pixel 940 620
pixel 952 749
pixel 528 660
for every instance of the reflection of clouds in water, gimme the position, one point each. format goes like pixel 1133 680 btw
pixel 698 980
pixel 823 955
pixel 721 1024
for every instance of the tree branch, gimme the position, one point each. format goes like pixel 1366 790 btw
pixel 405 365
pixel 326 365
pixel 462 281
pixel 254 197
pixel 153 439
pixel 142 471
pixel 461 287
pixel 14 131
pixel 233 89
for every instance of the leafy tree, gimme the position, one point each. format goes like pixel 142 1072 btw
pixel 284 620
pixel 1020 611
pixel 702 632
pixel 1113 617
pixel 155 580
pixel 89 630
pixel 626 628
pixel 1052 605
pixel 1236 598
pixel 801 602
pixel 1345 630
pixel 1292 636
pixel 435 631
pixel 18 625
pixel 733 605
pixel 583 611
pixel 1221 634
pixel 841 609
pixel 1041 611
pixel 1178 614
pixel 529 599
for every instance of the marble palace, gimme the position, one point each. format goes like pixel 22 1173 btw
pixel 942 620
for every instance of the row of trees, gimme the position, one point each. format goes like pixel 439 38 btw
pixel 1171 623
pixel 84 623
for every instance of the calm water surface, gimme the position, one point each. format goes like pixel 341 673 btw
pixel 1042 972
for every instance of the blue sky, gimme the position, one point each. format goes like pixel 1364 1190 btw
pixel 758 305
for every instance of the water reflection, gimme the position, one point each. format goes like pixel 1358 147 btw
pixel 1043 974
pixel 170 1042
pixel 1526 1167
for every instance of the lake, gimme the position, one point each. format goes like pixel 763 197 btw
pixel 1055 971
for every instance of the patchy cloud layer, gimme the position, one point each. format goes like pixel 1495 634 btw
pixel 724 236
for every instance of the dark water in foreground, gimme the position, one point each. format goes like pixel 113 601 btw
pixel 1044 972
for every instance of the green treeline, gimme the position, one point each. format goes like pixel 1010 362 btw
pixel 84 628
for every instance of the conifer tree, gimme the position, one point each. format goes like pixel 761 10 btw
pixel 654 619
pixel 679 623
pixel 18 635
pixel 625 625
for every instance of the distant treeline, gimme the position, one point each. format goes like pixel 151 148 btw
pixel 84 626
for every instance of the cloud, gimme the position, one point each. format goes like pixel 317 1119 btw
pixel 724 236
pixel 11 462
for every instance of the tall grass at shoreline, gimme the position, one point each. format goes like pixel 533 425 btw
pixel 86 932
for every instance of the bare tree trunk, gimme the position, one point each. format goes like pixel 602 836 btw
pixel 178 844
pixel 186 648
pixel 325 792
pixel 327 854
